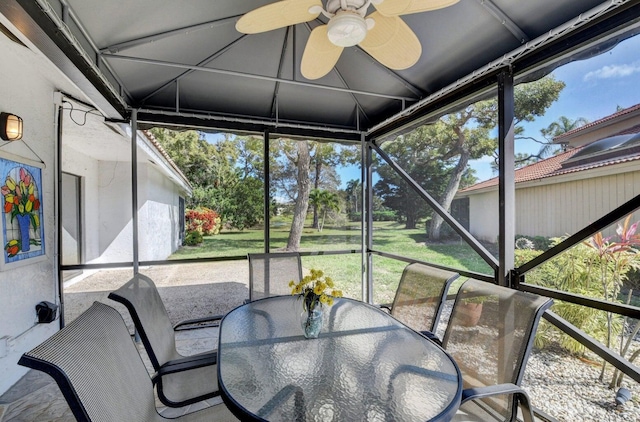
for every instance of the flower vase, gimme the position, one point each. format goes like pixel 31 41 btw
pixel 23 223
pixel 311 322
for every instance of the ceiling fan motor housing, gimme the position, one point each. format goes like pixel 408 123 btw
pixel 346 29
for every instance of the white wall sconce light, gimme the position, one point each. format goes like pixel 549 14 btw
pixel 10 127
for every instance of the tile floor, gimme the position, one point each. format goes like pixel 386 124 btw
pixel 36 397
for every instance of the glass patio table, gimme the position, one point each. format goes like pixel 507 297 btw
pixel 365 365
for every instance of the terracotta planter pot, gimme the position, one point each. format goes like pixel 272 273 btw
pixel 469 313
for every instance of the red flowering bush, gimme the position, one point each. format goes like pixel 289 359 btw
pixel 203 220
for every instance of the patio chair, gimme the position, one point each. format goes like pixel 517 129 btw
pixel 180 380
pixel 270 274
pixel 101 374
pixel 420 295
pixel 492 350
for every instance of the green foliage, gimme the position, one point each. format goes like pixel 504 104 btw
pixel 595 268
pixel 193 238
pixel 325 201
pixel 384 215
pixel 226 173
pixel 243 208
pixel 539 243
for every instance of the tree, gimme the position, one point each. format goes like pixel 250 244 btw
pixel 353 193
pixel 324 201
pixel 225 173
pixel 301 157
pixel 324 158
pixel 557 128
pixel 561 126
pixel 295 179
pixel 416 154
pixel 465 134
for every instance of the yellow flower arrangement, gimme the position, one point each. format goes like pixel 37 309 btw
pixel 315 288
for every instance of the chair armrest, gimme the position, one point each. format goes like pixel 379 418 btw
pixel 385 306
pixel 186 363
pixel 213 318
pixel 434 338
pixel 499 389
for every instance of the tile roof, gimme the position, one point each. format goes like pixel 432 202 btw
pixel 165 154
pixel 553 167
pixel 599 122
pixel 534 171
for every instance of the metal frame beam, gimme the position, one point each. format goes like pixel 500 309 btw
pixel 599 349
pixel 506 176
pixel 258 77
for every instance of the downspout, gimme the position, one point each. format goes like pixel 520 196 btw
pixel 58 206
pixel 134 187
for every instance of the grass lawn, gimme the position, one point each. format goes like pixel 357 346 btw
pixel 390 237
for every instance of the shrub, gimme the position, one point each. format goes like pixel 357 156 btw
pixel 193 238
pixel 203 220
pixel 540 243
pixel 377 216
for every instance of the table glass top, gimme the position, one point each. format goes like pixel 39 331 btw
pixel 365 365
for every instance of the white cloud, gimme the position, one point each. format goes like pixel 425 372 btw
pixel 613 71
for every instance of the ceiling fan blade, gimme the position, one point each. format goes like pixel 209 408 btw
pixel 320 55
pixel 277 15
pixel 392 42
pixel 405 7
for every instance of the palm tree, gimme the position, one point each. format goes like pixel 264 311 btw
pixel 325 201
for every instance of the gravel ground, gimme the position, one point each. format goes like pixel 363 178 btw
pixel 563 386
pixel 568 389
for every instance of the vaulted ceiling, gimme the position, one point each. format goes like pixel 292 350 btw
pixel 184 61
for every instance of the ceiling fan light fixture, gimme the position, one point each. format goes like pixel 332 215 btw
pixel 346 29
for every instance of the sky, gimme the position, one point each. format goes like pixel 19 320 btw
pixel 594 89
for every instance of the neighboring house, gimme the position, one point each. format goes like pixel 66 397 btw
pixel 97 177
pixel 96 192
pixel 599 171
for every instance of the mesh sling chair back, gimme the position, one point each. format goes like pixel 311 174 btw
pixel 180 380
pixel 421 293
pixel 270 274
pixel 492 349
pixel 100 372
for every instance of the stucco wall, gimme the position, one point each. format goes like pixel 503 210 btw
pixel 78 164
pixel 27 93
pixel 158 214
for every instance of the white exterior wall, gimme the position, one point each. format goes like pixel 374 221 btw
pixel 158 214
pixel 564 208
pixel 483 216
pixel 115 228
pixel 28 94
pixel 555 209
pixel 86 168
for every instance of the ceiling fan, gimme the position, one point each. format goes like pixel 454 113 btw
pixel 382 34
